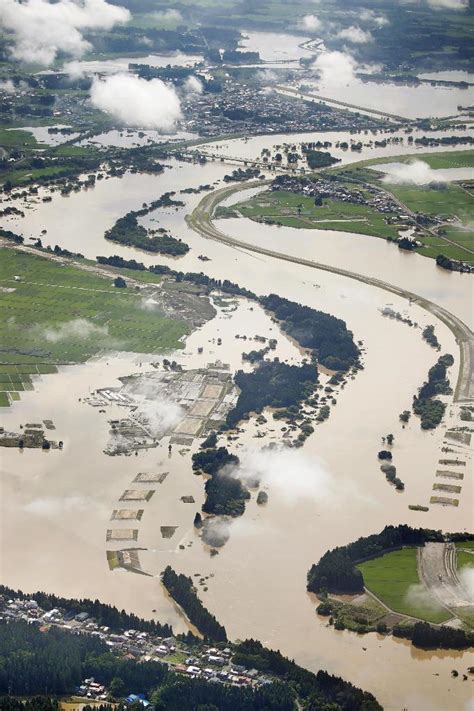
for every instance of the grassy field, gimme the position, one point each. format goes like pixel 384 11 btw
pixel 390 577
pixel 455 201
pixel 295 210
pixel 465 559
pixel 63 314
pixel 443 159
pixel 15 138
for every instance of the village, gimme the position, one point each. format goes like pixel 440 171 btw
pixel 320 189
pixel 200 660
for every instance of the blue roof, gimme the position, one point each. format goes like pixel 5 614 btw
pixel 138 697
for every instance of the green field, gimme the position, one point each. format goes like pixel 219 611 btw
pixel 16 138
pixel 441 159
pixel 390 576
pixel 63 314
pixel 455 201
pixel 293 210
pixel 465 558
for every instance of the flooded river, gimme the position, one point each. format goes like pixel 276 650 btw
pixel 57 505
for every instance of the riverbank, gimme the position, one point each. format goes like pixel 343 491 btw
pixel 201 221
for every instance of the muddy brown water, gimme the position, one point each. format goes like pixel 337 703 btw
pixel 57 505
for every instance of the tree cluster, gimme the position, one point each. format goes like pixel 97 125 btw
pixel 181 589
pixel 225 494
pixel 272 384
pixel 327 336
pixel 425 404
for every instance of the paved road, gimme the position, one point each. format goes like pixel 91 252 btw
pixel 201 221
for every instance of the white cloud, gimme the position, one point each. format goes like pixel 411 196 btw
pixel 75 69
pixel 467 580
pixel 156 412
pixel 52 506
pixel 79 328
pixel 137 102
pixel 448 4
pixel 310 23
pixel 335 68
pixel 160 415
pixel 288 474
pixel 418 596
pixel 266 76
pixel 192 85
pixel 167 17
pixel 417 172
pixel 355 35
pixel 371 16
pixel 42 29
pixel 7 86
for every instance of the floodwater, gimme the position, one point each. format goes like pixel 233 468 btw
pixel 397 144
pixel 57 505
pixel 131 138
pixel 275 46
pixel 422 101
pixel 120 64
pixel 42 134
pixel 450 75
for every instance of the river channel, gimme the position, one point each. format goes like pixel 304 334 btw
pixel 57 505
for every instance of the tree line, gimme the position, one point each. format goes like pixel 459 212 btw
pixel 181 589
pixel 319 691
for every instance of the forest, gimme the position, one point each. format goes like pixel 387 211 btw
pixel 56 661
pixel 271 384
pixel 327 336
pixel 316 689
pixel 181 589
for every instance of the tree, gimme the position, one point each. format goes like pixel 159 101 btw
pixel 117 687
pixel 120 283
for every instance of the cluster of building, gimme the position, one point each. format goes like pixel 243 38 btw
pixel 319 188
pixel 242 107
pixel 205 662
pixel 91 689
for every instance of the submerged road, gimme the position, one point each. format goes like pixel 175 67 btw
pixel 200 221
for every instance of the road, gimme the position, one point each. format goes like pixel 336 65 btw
pixel 200 221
